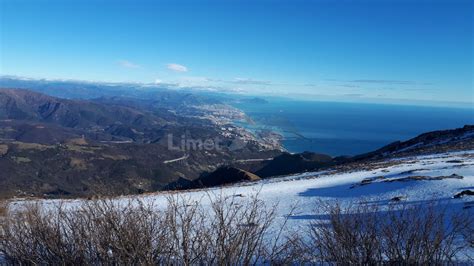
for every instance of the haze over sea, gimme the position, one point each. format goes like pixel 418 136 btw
pixel 349 128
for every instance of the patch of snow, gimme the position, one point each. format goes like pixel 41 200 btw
pixel 306 190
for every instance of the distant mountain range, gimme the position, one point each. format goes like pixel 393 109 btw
pixel 120 143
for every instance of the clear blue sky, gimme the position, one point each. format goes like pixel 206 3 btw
pixel 349 50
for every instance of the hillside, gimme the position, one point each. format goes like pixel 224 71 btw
pixel 54 147
pixel 445 178
pixel 435 141
pixel 460 139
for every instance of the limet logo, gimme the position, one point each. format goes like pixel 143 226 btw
pixel 186 143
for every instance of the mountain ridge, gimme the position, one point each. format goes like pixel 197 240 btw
pixel 54 147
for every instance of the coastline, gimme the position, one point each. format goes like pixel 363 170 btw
pixel 345 128
pixel 234 123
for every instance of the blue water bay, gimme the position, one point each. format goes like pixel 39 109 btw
pixel 349 128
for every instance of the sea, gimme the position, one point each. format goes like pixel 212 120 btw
pixel 348 128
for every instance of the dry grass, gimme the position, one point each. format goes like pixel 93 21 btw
pixel 31 146
pixel 117 157
pixel 78 163
pixel 20 160
pixel 77 141
pixel 3 149
pixel 3 208
pixel 82 149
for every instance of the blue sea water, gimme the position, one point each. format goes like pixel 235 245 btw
pixel 349 128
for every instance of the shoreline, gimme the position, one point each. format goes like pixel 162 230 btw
pixel 234 123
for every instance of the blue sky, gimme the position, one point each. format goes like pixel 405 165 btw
pixel 346 50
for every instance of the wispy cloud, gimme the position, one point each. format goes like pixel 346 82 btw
pixel 353 95
pixel 239 81
pixel 382 81
pixel 213 88
pixel 197 79
pixel 348 86
pixel 177 67
pixel 127 64
pixel 238 84
pixel 249 81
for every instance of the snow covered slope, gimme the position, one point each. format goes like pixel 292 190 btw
pixel 409 179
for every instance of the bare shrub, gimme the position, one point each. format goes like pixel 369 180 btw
pixel 3 208
pixel 240 233
pixel 229 230
pixel 112 232
pixel 401 234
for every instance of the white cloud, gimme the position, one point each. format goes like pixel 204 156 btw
pixel 128 64
pixel 177 67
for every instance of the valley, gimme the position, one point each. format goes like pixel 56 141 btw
pixel 52 147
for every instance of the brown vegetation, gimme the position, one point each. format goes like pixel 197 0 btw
pixel 108 232
pixel 3 208
pixel 414 235
pixel 3 149
pixel 233 230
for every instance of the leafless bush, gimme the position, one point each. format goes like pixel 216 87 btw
pixel 111 232
pixel 228 230
pixel 3 208
pixel 401 234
